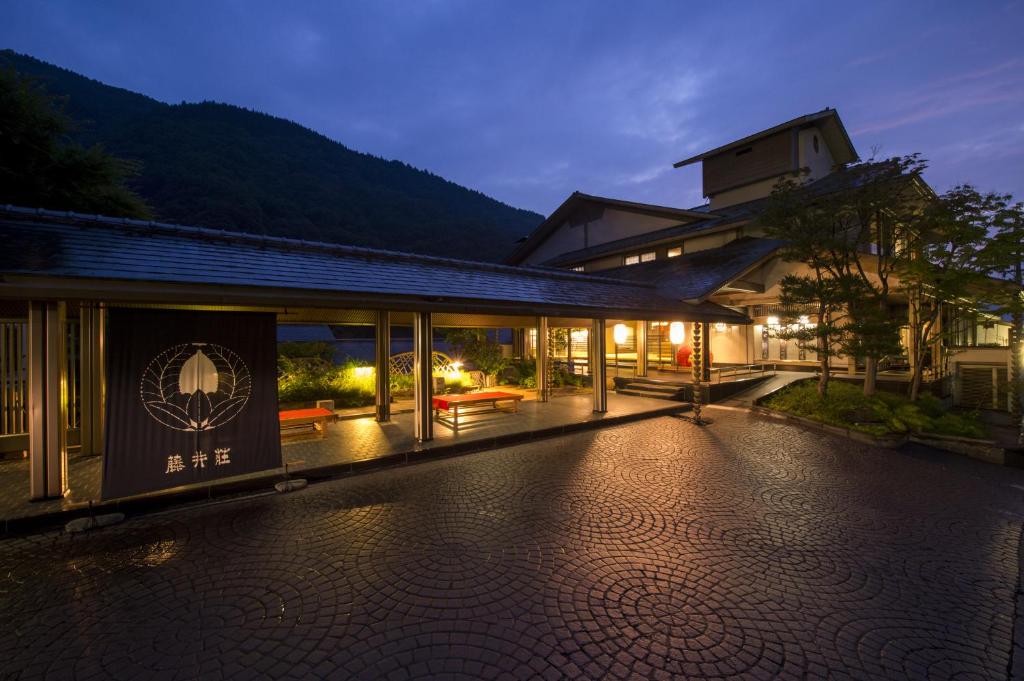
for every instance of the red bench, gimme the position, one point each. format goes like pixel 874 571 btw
pixel 298 423
pixel 472 403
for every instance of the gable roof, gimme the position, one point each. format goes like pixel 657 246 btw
pixel 67 255
pixel 578 200
pixel 827 120
pixel 695 276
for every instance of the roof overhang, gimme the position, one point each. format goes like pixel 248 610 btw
pixel 32 287
pixel 827 121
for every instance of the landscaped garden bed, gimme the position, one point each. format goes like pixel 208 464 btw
pixel 882 414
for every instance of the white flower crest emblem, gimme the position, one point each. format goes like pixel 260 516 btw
pixel 195 386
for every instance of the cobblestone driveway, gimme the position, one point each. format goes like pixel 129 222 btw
pixel 749 549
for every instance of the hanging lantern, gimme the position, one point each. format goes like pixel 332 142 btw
pixel 676 333
pixel 620 333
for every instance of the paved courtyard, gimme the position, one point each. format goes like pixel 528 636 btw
pixel 749 549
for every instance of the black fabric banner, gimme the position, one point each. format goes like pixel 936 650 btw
pixel 191 397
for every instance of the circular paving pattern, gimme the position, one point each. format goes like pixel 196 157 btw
pixel 653 550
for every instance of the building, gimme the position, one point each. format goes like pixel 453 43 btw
pixel 716 253
pixel 138 357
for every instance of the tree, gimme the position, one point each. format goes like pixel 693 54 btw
pixel 40 167
pixel 944 261
pixel 806 224
pixel 476 347
pixel 1005 255
pixel 851 239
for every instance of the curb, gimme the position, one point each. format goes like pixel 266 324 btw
pixel 264 484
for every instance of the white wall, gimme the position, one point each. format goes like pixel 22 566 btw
pixel 613 225
pixel 819 163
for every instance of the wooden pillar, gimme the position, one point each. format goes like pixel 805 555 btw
pixel 641 348
pixel 598 369
pixel 92 386
pixel 543 393
pixel 383 369
pixel 47 378
pixel 423 374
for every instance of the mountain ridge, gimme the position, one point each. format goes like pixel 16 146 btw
pixel 223 166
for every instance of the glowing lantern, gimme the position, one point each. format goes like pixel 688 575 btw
pixel 620 333
pixel 676 333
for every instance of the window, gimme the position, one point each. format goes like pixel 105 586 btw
pixel 576 268
pixel 631 260
pixel 675 252
pixel 814 143
pixel 647 257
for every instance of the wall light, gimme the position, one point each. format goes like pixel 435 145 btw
pixel 620 333
pixel 676 333
pixel 721 327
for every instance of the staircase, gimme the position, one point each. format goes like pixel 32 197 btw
pixel 649 387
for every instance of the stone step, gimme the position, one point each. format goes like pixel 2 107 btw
pixel 657 395
pixel 654 388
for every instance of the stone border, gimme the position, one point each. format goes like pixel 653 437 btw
pixel 889 441
pixel 264 484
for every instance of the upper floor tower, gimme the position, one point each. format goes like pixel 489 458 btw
pixel 748 168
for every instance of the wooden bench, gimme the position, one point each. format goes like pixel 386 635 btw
pixel 472 403
pixel 296 424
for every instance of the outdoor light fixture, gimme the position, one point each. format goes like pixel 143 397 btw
pixel 620 333
pixel 773 321
pixel 676 333
pixel 721 327
pixel 804 320
pixel 456 366
pixel 363 372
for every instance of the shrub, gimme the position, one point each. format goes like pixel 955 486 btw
pixel 881 414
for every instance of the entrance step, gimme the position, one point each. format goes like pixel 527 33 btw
pixel 660 390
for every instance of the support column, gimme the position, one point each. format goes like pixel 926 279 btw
pixel 382 372
pixel 92 320
pixel 698 364
pixel 641 348
pixel 705 360
pixel 598 370
pixel 47 378
pixel 423 374
pixel 543 393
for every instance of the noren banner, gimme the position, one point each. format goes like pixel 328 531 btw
pixel 191 397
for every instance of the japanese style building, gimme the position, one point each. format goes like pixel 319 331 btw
pixel 154 344
pixel 717 253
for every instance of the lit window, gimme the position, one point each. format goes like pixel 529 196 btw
pixel 577 268
pixel 674 252
pixel 631 260
pixel 647 257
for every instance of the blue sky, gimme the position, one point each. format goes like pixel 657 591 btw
pixel 528 101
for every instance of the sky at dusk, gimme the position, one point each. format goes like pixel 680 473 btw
pixel 529 101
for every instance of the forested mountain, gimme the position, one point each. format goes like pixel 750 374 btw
pixel 223 166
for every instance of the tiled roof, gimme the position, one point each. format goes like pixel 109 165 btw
pixel 735 214
pixel 725 216
pixel 67 245
pixel 831 126
pixel 695 276
pixel 578 199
